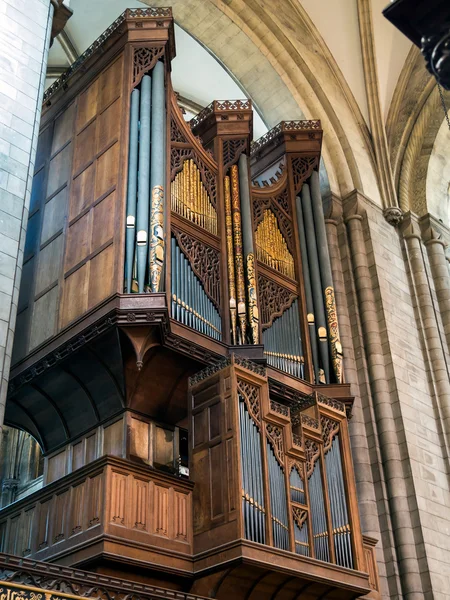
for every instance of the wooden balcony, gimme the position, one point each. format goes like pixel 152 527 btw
pixel 109 507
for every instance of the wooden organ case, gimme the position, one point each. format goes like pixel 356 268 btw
pixel 156 247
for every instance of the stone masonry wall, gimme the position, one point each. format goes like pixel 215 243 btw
pixel 24 40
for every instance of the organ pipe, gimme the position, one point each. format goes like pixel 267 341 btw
pixel 318 516
pixel 247 240
pixel 278 501
pixel 283 344
pixel 230 259
pixel 316 284
pixel 251 477
pixel 238 256
pixel 338 505
pixel 190 303
pixel 143 182
pixel 157 178
pixel 326 275
pixel 308 291
pixel 132 189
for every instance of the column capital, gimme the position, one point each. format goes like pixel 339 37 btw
pixel 409 227
pixel 433 231
pixel 354 206
pixel 333 210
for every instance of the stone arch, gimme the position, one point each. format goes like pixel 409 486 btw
pixel 288 70
pixel 438 176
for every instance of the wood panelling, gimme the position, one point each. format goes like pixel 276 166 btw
pixel 63 127
pixel 109 497
pixel 44 318
pixel 54 212
pixel 90 250
pixel 49 265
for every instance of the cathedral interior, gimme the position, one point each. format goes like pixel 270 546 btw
pixel 224 299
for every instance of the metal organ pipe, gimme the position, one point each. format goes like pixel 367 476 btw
pixel 143 182
pixel 157 178
pixel 190 303
pixel 308 291
pixel 338 505
pixel 319 523
pixel 132 189
pixel 326 275
pixel 316 284
pixel 247 242
pixel 278 501
pixel 283 343
pixel 238 256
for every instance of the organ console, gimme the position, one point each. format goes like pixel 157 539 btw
pixel 176 277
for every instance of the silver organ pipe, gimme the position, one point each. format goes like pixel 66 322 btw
pixel 318 516
pixel 278 501
pixel 338 506
pixel 283 344
pixel 252 477
pixel 190 303
pixel 297 488
pixel 301 537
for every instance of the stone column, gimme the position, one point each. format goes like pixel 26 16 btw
pixel 25 28
pixel 434 351
pixel 402 526
pixel 360 452
pixel 436 248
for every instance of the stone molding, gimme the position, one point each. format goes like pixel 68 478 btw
pixel 384 172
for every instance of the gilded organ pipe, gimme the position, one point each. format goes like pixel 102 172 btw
pixel 230 258
pixel 271 247
pixel 238 255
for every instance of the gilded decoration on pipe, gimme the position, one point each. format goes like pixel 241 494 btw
pixel 230 258
pixel 238 254
pixel 190 199
pixel 156 237
pixel 335 343
pixel 271 247
pixel 253 314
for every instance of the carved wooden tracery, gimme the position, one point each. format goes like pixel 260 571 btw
pixel 250 394
pixel 302 167
pixel 144 59
pixel 204 261
pixel 274 300
pixel 232 149
pixel 330 429
pixel 312 454
pixel 275 437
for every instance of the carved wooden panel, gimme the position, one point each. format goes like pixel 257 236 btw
pixel 302 167
pixel 273 300
pixel 141 500
pixel 94 500
pixel 275 437
pixel 144 59
pixel 161 513
pixel 89 275
pixel 118 498
pixel 250 394
pixel 204 261
pixel 330 429
pixel 77 509
pixel 312 454
pixel 232 149
pixel 181 507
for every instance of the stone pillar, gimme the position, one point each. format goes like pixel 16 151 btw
pixel 358 436
pixel 25 27
pixel 436 246
pixel 385 425
pixel 434 351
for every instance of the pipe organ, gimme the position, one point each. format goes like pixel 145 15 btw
pixel 156 247
pixel 294 490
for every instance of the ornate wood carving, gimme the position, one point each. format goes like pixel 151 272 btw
pixel 312 454
pixel 300 515
pixel 273 300
pixel 298 466
pixel 302 167
pixel 279 408
pixel 232 149
pixel 176 134
pixel 204 261
pixel 144 59
pixel 250 393
pixel 275 437
pixel 336 404
pixel 330 429
pixel 310 422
